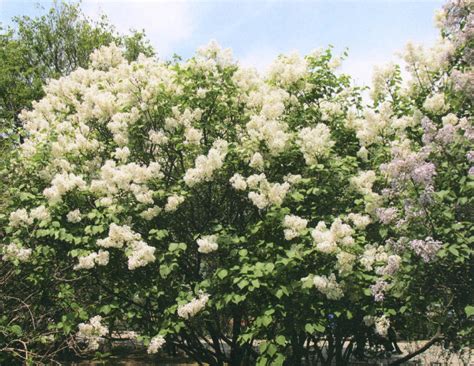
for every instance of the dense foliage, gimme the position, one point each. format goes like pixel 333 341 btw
pixel 242 218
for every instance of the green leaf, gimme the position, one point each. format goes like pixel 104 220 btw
pixel 320 328
pixel 469 310
pixel 281 340
pixel 16 329
pixel 222 273
pixel 173 246
pixel 243 283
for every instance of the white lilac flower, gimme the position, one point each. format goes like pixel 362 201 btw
pixel 206 165
pixel 92 331
pixel 382 324
pixel 141 254
pixel 238 182
pixel 363 182
pixel 100 258
pixel 15 251
pixel 256 161
pixel 156 343
pixel 40 213
pixel 378 290
pixel 359 221
pixel 150 213
pixel 20 217
pixel 386 215
pixel 207 244
pixel 315 143
pixel 294 226
pixel 74 216
pixel 193 307
pixel 173 202
pixel 328 286
pixel 435 104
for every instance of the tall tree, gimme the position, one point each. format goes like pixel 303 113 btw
pixel 34 50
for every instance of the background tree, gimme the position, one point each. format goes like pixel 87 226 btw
pixel 34 50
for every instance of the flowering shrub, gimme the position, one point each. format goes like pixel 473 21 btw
pixel 200 204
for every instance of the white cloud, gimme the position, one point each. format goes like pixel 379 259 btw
pixel 166 23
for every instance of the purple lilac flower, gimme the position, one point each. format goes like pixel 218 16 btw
pixel 471 170
pixel 386 215
pixel 447 134
pixel 397 246
pixel 378 290
pixel 429 130
pixel 423 174
pixel 470 156
pixel 426 197
pixel 426 249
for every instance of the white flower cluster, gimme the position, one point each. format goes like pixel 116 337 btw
pixel 373 254
pixel 382 324
pixel 106 57
pixel 207 244
pixel 268 193
pixel 74 216
pixel 183 119
pixel 328 286
pixel 435 104
pixel 92 332
pixel 21 217
pixel 327 240
pixel 193 307
pixel 315 142
pixel 238 182
pixel 156 343
pixel 129 178
pixel 265 124
pixel 61 184
pixel 393 264
pixel 173 202
pixel 364 182
pixel 380 76
pixel 345 262
pixel 157 137
pixel 138 252
pixel 150 213
pixel 329 110
pixel 294 226
pixel 256 161
pixel 212 55
pixel 100 258
pixel 122 153
pixel 370 128
pixel 359 221
pixel 270 131
pixel 288 69
pixel 205 166
pixel 15 251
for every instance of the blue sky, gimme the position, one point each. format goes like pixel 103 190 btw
pixel 257 31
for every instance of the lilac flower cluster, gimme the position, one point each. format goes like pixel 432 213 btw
pixel 429 131
pixel 424 173
pixel 378 290
pixel 397 246
pixel 405 167
pixel 426 248
pixel 386 215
